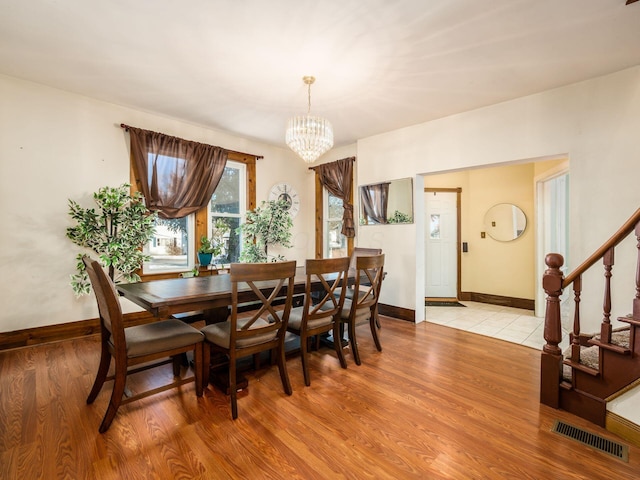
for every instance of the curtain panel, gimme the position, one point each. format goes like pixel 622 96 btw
pixel 177 177
pixel 337 177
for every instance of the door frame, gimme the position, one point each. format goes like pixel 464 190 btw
pixel 458 191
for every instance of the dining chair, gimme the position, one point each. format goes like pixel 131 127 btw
pixel 259 330
pixel 362 307
pixel 358 252
pixel 152 344
pixel 320 309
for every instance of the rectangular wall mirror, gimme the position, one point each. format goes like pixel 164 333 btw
pixel 386 202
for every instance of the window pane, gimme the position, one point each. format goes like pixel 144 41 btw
pixel 335 207
pixel 231 240
pixel 226 198
pixel 227 207
pixel 169 248
pixel 337 242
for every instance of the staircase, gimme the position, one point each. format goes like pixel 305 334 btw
pixel 596 367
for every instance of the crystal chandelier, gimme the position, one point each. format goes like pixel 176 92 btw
pixel 307 135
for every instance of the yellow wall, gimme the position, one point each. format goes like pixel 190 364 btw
pixel 490 266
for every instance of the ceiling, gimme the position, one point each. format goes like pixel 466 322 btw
pixel 237 65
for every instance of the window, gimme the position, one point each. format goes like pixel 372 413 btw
pixel 334 242
pixel 171 249
pixel 227 206
pixel 174 247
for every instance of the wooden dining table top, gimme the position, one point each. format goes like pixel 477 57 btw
pixel 164 298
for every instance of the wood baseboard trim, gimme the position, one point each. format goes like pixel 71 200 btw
pixel 514 302
pixel 397 312
pixel 623 428
pixel 64 331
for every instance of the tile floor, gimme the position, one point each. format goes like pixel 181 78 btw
pixel 506 323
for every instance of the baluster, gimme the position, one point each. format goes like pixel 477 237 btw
pixel 552 284
pixel 575 337
pixel 605 329
pixel 551 360
pixel 636 301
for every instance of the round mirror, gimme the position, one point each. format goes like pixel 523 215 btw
pixel 505 222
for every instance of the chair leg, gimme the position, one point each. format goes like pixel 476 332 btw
pixel 101 375
pixel 282 367
pixel 119 383
pixel 177 363
pixel 337 344
pixel 374 332
pixel 353 343
pixel 304 344
pixel 233 388
pixel 206 364
pixel 197 368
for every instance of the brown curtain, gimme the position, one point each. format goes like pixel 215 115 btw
pixel 337 177
pixel 177 177
pixel 375 199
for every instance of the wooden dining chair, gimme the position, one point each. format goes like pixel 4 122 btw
pixel 152 344
pixel 363 306
pixel 262 329
pixel 358 252
pixel 320 310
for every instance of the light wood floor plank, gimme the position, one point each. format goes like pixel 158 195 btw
pixel 436 403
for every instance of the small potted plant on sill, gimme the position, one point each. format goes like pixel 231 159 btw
pixel 211 248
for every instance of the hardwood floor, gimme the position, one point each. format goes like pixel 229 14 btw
pixel 436 403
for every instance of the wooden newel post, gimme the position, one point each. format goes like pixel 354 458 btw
pixel 551 361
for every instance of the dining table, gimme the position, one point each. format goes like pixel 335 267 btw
pixel 209 294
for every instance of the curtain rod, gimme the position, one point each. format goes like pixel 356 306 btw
pixel 258 157
pixel 347 158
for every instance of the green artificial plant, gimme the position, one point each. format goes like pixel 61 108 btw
pixel 116 232
pixel 269 224
pixel 215 244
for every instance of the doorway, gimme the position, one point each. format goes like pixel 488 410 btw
pixel 442 243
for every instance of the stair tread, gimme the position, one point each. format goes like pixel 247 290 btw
pixel 582 367
pixel 611 347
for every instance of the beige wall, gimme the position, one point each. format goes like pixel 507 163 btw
pixel 55 145
pixel 594 124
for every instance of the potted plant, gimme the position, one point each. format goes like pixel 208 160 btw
pixel 116 232
pixel 267 225
pixel 213 247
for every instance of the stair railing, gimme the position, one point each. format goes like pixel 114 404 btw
pixel 554 284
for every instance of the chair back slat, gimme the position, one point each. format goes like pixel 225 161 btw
pixel 332 275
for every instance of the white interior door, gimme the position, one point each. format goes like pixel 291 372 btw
pixel 441 239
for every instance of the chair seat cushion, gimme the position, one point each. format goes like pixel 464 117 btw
pixel 362 314
pixel 295 319
pixel 160 336
pixel 219 333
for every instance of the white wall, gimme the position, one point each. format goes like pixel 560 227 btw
pixel 596 123
pixel 56 145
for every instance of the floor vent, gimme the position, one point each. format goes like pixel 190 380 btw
pixel 592 440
